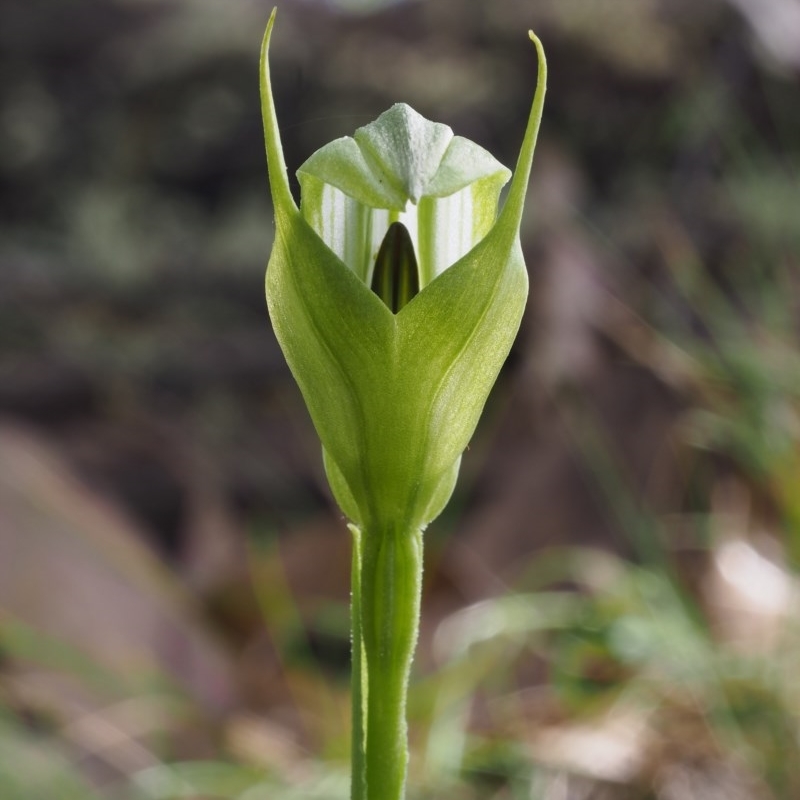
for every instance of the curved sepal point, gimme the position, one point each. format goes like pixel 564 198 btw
pixel 282 198
pixel 511 215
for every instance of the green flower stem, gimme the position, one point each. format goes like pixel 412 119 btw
pixel 390 585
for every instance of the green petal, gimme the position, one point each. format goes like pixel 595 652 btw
pixel 335 334
pixel 343 165
pixel 465 162
pixel 404 149
pixel 454 337
pixel 349 228
pixel 449 227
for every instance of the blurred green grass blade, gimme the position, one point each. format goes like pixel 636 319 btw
pixel 33 768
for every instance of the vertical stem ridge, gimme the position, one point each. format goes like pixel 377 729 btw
pixel 358 789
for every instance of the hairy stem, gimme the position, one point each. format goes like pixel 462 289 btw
pixel 386 604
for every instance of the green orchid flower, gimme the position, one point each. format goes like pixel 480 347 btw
pixel 395 292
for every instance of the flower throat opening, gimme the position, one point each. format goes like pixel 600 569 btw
pixel 395 278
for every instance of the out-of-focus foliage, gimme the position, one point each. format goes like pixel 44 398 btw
pixel 608 609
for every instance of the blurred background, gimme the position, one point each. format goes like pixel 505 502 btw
pixel 610 597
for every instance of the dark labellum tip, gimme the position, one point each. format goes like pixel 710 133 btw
pixel 395 278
